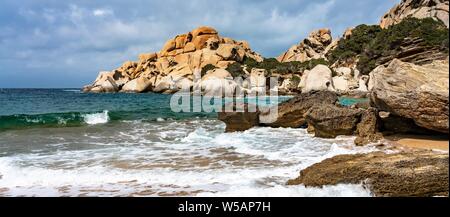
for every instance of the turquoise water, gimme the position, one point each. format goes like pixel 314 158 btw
pixel 61 142
pixel 27 108
pixel 348 101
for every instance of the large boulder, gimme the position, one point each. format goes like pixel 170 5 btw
pixel 292 112
pixel 414 92
pixel 414 173
pixel 138 85
pixel 107 82
pixel 341 84
pixel 217 82
pixel 318 79
pixel 436 9
pixel 330 121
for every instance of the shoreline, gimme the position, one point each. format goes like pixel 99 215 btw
pixel 423 142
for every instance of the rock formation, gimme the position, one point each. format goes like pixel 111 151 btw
pixel 174 65
pixel 413 173
pixel 292 112
pixel 436 9
pixel 313 47
pixel 330 121
pixel 319 78
pixel 240 120
pixel 415 92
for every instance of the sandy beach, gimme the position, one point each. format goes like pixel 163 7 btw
pixel 432 142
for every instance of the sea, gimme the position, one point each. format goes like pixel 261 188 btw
pixel 63 142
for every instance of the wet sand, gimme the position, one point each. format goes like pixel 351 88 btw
pixel 430 142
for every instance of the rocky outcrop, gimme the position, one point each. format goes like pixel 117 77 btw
pixel 330 121
pixel 417 173
pixel 289 114
pixel 313 47
pixel 241 118
pixel 367 130
pixel 419 93
pixel 173 66
pixel 413 50
pixel 292 113
pixel 436 9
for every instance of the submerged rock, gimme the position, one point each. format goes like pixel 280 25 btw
pixel 416 173
pixel 240 120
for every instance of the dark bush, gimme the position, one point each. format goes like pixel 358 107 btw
pixel 235 69
pixel 206 68
pixel 274 67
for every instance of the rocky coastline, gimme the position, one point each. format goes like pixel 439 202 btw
pixel 401 68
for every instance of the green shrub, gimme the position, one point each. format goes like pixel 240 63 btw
pixel 235 69
pixel 387 42
pixel 206 68
pixel 354 45
pixel 273 66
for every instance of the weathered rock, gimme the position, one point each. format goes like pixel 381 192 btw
pixel 107 82
pixel 312 47
pixel 145 57
pixel 203 30
pixel 417 173
pixel 139 85
pixel 230 52
pixel 367 130
pixel 217 82
pixel 415 92
pixel 319 78
pixel 330 121
pixel 340 83
pixel 200 41
pixel 242 118
pixel 292 112
pixel 190 47
pixel 436 9
pixel 173 66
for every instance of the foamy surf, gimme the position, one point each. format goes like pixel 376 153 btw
pixel 170 158
pixel 97 118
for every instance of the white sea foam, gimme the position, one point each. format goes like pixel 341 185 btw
pixel 97 118
pixel 174 156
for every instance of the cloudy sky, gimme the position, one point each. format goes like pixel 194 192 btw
pixel 54 43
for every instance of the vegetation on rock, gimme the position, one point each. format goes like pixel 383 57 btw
pixel 273 66
pixel 371 43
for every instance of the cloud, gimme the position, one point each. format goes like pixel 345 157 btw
pixel 102 12
pixel 65 43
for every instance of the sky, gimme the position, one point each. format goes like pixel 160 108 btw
pixel 55 44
